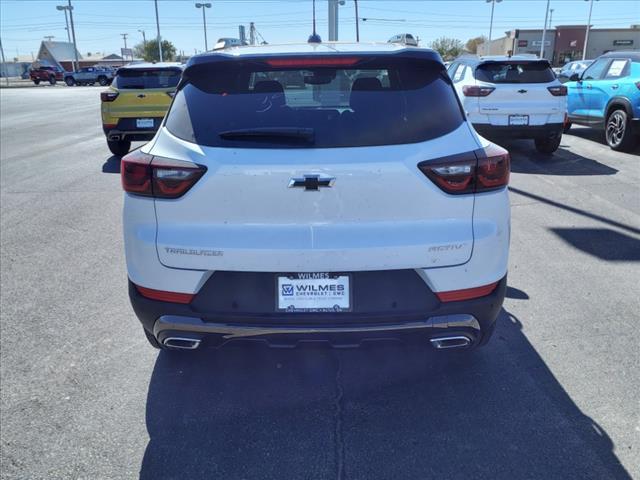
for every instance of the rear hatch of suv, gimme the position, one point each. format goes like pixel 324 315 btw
pixel 312 162
pixel 521 94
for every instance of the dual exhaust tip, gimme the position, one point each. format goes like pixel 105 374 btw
pixel 439 343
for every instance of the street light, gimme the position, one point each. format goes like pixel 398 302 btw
pixel 64 9
pixel 144 38
pixel 204 6
pixel 493 4
pixel 586 35
pixel 544 30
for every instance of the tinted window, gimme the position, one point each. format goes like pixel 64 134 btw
pixel 378 105
pixel 595 71
pixel 515 72
pixel 146 78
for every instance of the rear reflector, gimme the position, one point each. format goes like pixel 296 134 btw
pixel 559 91
pixel 472 172
pixel 313 62
pixel 466 294
pixel 163 296
pixel 109 126
pixel 144 174
pixel 476 91
pixel 108 96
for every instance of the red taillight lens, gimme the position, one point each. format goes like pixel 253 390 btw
pixel 174 297
pixel 466 294
pixel 313 62
pixel 559 91
pixel 476 91
pixel 108 96
pixel 143 174
pixel 109 126
pixel 473 172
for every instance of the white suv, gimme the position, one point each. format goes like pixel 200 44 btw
pixel 512 97
pixel 326 192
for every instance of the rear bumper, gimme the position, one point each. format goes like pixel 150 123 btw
pixel 529 131
pixel 417 319
pixel 126 129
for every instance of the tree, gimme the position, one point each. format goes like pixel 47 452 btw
pixel 448 48
pixel 149 51
pixel 472 44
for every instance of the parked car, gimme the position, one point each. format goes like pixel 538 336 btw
pixel 404 39
pixel 89 76
pixel 135 104
pixel 282 214
pixel 571 68
pixel 607 96
pixel 46 73
pixel 512 97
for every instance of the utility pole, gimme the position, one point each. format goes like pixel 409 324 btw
pixel 333 20
pixel 544 30
pixel 252 33
pixel 158 29
pixel 73 35
pixel 493 4
pixel 6 77
pixel 204 6
pixel 49 37
pixel 586 35
pixel 124 37
pixel 357 22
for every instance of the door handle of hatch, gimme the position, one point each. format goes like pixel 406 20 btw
pixel 614 86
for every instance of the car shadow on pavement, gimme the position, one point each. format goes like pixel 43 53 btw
pixel 386 411
pixel 525 159
pixel 602 243
pixel 111 165
pixel 594 135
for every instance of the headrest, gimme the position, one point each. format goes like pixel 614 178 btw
pixel 268 86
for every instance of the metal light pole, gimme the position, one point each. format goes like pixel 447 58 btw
pixel 144 38
pixel 64 8
pixel 73 35
pixel 158 28
pixel 544 30
pixel 6 77
pixel 493 4
pixel 586 35
pixel 357 22
pixel 204 6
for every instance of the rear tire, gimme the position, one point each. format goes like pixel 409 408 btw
pixel 36 81
pixel 69 81
pixel 567 127
pixel 547 146
pixel 52 80
pixel 119 147
pixel 618 132
pixel 103 81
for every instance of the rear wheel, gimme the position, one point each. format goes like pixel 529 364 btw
pixel 52 80
pixel 119 147
pixel 36 81
pixel 617 132
pixel 69 81
pixel 548 145
pixel 102 81
pixel 567 127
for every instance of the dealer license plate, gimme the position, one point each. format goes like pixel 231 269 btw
pixel 313 292
pixel 518 119
pixel 144 122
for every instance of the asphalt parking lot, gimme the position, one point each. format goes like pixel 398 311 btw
pixel 554 395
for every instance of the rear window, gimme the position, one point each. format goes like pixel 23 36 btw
pixel 380 103
pixel 515 72
pixel 146 78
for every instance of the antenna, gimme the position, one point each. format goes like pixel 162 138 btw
pixel 314 37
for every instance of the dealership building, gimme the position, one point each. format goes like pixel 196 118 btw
pixel 564 43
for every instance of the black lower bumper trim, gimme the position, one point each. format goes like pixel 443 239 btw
pixel 528 131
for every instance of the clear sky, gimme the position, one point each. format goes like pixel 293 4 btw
pixel 99 23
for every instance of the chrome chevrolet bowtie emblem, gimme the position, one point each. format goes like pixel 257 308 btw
pixel 522 91
pixel 312 182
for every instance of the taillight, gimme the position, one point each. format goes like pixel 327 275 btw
pixel 467 293
pixel 473 172
pixel 108 96
pixel 144 174
pixel 476 91
pixel 558 91
pixel 163 296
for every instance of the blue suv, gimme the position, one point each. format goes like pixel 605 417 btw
pixel 607 95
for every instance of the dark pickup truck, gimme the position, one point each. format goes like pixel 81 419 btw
pixel 46 74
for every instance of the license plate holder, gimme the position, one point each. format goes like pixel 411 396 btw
pixel 519 120
pixel 144 122
pixel 313 292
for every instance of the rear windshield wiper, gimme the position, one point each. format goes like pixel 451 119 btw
pixel 271 133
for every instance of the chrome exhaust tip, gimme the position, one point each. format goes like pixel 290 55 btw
pixel 181 343
pixel 442 343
